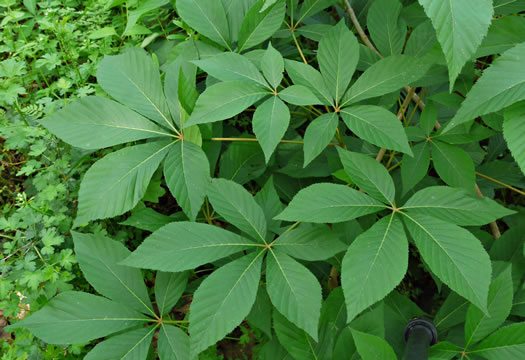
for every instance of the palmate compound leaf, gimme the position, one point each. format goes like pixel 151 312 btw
pixel 460 26
pixel 454 255
pixel 337 56
pixel 76 317
pixel 369 175
pixel 96 122
pixel 117 182
pixel 225 100
pixel 310 242
pixel 374 264
pixel 376 125
pixel 329 203
pixel 187 173
pixel 478 325
pixel 133 79
pixel 455 205
pixel 237 206
pixel 133 344
pixel 183 246
pixel 508 343
pixel 174 343
pixel 270 122
pixel 208 17
pixel 98 257
pixel 223 300
pixel 294 291
pixel 501 85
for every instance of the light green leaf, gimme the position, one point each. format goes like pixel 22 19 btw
pixel 98 257
pixel 305 75
pixel 117 182
pixel 456 206
pixel 223 300
pixel 337 56
pixel 76 317
pixel 372 347
pixel 133 79
pixel 385 76
pixel 443 350
pixel 258 25
pixel 231 67
pixel 507 343
pixel 314 31
pixel 318 135
pixel 460 26
pixel 144 7
pixel 369 175
pixel 169 286
pixel 311 243
pixel 444 248
pixel 296 341
pixel 478 325
pixel 225 100
pixel 501 85
pixel 174 344
pixel 133 344
pixel 294 291
pixel 208 18
pixel 454 165
pixel 387 30
pixel 311 7
pixel 235 12
pixel 187 173
pixel 148 219
pixel 269 201
pixel 504 33
pixel 299 95
pixel 272 65
pixel 374 264
pixel 95 122
pixel 514 132
pixel 183 246
pixel 414 169
pixel 102 33
pixel 428 118
pixel 329 203
pixel 452 312
pixel 422 39
pixel 237 206
pixel 270 122
pixel 377 126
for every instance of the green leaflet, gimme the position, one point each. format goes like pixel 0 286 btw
pixel 311 243
pixel 414 169
pixel 183 246
pixel 305 75
pixel 506 343
pixel 96 122
pixel 460 26
pixel 374 264
pixel 231 67
pixel 318 135
pixel 501 85
pixel 145 7
pixel 371 347
pixel 223 300
pixel 270 122
pixel 387 29
pixel 296 341
pixel 272 65
pixel 76 317
pixel 444 247
pixel 369 175
pixel 98 257
pixel 117 182
pixel 337 56
pixel 225 100
pixel 514 132
pixel 187 173
pixel 454 165
pixel 238 207
pixel 299 95
pixel 174 343
pixel 455 205
pixel 377 126
pixel 503 34
pixel 259 25
pixel 321 203
pixel 311 7
pixel 207 17
pixel 169 286
pixel 134 344
pixel 133 79
pixel 294 291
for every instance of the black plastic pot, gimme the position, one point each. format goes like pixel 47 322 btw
pixel 419 335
